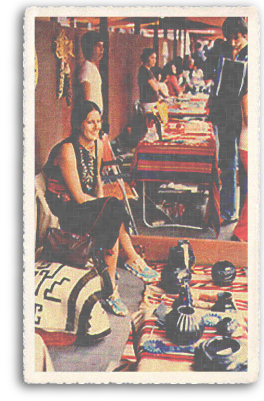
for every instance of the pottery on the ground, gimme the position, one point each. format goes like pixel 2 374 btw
pixel 177 272
pixel 223 273
pixel 224 303
pixel 184 325
pixel 220 354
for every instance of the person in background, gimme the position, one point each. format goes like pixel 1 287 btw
pixel 240 232
pixel 210 65
pixel 148 84
pixel 178 62
pixel 162 78
pixel 206 51
pixel 188 65
pixel 226 115
pixel 89 76
pixel 173 73
pixel 192 76
pixel 75 195
pixel 197 77
pixel 198 55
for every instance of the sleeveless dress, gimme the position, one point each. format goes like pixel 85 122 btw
pixel 101 218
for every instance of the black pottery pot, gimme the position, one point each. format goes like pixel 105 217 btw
pixel 224 303
pixel 220 354
pixel 226 326
pixel 223 273
pixel 177 272
pixel 184 326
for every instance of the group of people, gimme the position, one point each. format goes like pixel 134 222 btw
pixel 75 192
pixel 175 78
pixel 228 107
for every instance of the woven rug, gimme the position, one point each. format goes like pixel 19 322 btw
pixel 148 349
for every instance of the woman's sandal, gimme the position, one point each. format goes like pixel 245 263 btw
pixel 115 305
pixel 140 269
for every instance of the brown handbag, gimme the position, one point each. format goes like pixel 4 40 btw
pixel 74 250
pixel 68 248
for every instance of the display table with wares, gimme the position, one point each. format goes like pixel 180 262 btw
pixel 186 155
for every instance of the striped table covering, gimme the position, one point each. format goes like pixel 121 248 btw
pixel 183 157
pixel 138 355
pixel 194 106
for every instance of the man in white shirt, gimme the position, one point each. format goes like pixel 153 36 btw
pixel 89 76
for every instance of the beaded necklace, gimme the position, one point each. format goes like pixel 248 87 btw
pixel 87 169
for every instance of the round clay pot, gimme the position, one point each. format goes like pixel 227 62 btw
pixel 220 354
pixel 183 326
pixel 224 302
pixel 223 273
pixel 176 273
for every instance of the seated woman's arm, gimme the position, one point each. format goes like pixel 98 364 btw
pixel 66 160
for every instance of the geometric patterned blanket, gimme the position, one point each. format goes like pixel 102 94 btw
pixel 67 305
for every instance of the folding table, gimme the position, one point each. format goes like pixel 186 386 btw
pixel 181 157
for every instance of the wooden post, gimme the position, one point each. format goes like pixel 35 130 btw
pixel 185 42
pixel 165 28
pixel 175 43
pixel 163 24
pixel 71 22
pixel 104 66
pixel 156 42
pixel 137 25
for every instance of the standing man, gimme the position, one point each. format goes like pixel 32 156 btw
pixel 89 76
pixel 230 91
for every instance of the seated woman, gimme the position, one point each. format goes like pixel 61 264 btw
pixel 148 85
pixel 75 194
pixel 174 87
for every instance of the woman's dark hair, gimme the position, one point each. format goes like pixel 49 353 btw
pixel 234 25
pixel 167 68
pixel 146 53
pixel 88 41
pixel 185 63
pixel 81 113
pixel 178 64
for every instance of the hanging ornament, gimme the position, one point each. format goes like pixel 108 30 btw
pixel 64 49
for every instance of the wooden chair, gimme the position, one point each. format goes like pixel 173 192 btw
pixel 43 215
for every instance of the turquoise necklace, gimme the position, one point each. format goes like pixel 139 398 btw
pixel 87 169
